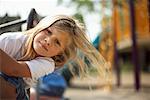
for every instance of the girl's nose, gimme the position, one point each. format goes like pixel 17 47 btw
pixel 49 41
pixel 46 42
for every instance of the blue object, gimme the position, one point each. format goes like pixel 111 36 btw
pixel 96 42
pixel 52 85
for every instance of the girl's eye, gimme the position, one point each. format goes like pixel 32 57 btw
pixel 57 42
pixel 49 32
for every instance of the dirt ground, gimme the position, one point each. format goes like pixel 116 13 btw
pixel 80 89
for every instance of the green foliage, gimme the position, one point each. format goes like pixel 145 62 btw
pixel 89 4
pixel 79 17
pixel 84 3
pixel 59 2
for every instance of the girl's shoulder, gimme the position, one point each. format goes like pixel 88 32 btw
pixel 13 38
pixel 12 42
pixel 13 35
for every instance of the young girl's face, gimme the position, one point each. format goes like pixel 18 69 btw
pixel 50 42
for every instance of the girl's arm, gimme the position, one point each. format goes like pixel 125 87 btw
pixel 12 67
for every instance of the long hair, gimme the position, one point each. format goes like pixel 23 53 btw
pixel 72 53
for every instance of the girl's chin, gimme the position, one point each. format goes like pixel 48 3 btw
pixel 38 55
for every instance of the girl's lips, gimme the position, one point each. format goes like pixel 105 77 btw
pixel 43 46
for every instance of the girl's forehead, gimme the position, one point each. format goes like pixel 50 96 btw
pixel 58 30
pixel 64 36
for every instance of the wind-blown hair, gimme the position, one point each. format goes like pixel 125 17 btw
pixel 72 53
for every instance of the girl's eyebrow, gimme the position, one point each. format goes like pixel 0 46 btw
pixel 48 31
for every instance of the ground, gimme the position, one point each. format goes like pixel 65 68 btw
pixel 80 89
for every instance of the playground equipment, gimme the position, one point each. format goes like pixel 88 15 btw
pixel 129 34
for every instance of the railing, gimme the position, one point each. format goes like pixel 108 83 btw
pixel 10 25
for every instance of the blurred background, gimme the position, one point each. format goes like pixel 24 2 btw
pixel 119 29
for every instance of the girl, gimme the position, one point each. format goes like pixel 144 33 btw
pixel 52 43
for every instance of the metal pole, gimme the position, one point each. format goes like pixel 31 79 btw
pixel 148 3
pixel 9 25
pixel 116 64
pixel 134 46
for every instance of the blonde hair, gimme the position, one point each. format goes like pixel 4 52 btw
pixel 72 53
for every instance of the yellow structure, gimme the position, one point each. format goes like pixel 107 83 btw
pixel 117 36
pixel 142 24
pixel 120 20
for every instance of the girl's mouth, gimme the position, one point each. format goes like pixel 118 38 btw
pixel 43 46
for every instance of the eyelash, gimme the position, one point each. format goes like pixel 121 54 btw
pixel 49 32
pixel 57 42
